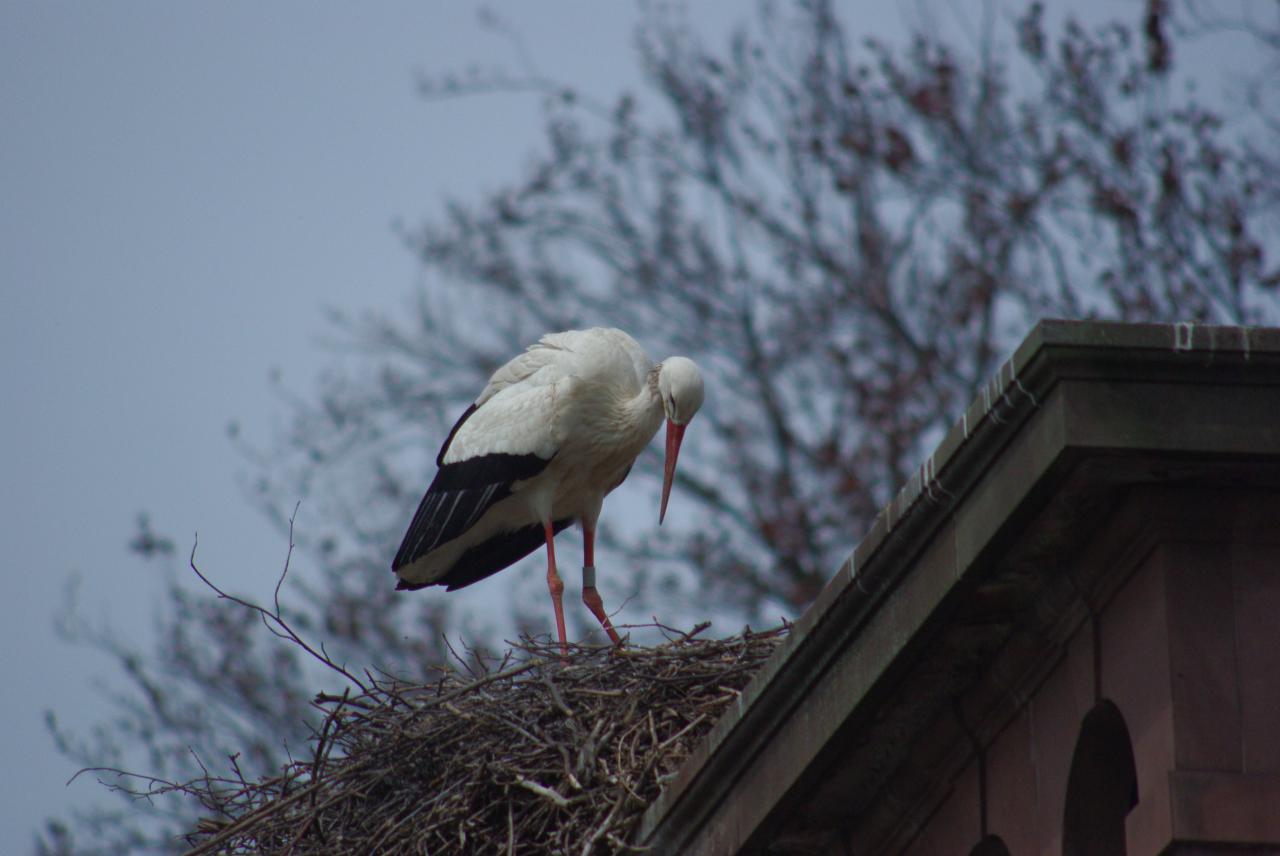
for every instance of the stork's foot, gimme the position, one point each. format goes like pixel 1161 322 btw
pixel 591 598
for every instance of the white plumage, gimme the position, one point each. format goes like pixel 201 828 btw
pixel 554 431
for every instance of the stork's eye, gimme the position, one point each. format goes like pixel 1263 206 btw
pixel 671 404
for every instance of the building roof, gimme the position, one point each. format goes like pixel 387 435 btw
pixel 956 597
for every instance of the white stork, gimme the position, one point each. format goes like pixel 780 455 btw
pixel 555 430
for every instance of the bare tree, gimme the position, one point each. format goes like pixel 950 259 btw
pixel 847 236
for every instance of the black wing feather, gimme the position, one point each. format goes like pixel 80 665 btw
pixel 459 496
pixel 489 557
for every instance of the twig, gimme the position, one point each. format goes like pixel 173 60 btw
pixel 275 621
pixel 542 791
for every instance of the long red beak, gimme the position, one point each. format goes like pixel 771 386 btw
pixel 675 433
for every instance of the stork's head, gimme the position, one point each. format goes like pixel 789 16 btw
pixel 680 386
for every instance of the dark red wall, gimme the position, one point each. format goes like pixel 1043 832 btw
pixel 1188 653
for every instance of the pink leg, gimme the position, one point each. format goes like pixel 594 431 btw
pixel 556 587
pixel 590 596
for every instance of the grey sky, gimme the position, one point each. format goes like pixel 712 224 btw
pixel 184 187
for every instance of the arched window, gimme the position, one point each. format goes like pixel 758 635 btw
pixel 991 845
pixel 1102 787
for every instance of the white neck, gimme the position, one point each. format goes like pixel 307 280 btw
pixel 641 414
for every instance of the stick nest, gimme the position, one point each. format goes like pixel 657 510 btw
pixel 519 756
